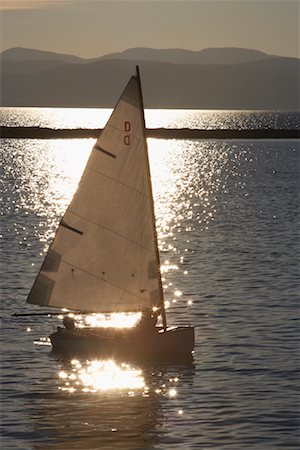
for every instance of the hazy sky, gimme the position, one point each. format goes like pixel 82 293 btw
pixel 91 28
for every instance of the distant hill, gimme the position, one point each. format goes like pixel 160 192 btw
pixel 178 56
pixel 21 61
pixel 172 78
pixel 226 55
pixel 28 54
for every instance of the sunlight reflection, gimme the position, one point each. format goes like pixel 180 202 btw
pixel 48 172
pixel 188 177
pixel 97 320
pixel 186 180
pixel 167 267
pixel 68 159
pixel 98 375
pixel 57 118
pixel 172 393
pixel 116 320
pixel 54 171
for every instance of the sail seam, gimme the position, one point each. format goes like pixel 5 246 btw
pixel 111 231
pixel 99 278
pixel 116 181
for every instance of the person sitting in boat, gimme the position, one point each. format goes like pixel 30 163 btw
pixel 69 323
pixel 147 323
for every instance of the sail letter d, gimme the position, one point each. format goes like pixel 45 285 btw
pixel 127 128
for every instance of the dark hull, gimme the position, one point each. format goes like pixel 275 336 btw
pixel 173 344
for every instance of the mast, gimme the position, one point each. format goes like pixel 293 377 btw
pixel 161 293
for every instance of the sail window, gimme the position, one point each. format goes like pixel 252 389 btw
pixel 152 270
pixel 155 297
pixel 41 293
pixel 51 263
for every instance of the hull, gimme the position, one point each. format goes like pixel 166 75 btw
pixel 172 344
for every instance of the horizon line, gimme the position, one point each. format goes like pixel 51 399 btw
pixel 148 48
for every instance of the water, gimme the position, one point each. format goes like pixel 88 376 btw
pixel 227 216
pixel 155 118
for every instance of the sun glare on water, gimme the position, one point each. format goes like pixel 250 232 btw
pixel 104 376
pixel 99 376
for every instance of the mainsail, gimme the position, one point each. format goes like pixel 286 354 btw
pixel 104 256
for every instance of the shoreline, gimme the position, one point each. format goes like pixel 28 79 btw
pixel 160 133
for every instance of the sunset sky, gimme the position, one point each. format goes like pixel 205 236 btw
pixel 91 28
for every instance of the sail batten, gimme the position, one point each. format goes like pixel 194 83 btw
pixel 104 256
pixel 106 152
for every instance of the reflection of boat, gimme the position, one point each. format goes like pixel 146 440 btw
pixel 104 257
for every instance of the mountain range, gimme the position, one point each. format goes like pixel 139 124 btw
pixel 214 78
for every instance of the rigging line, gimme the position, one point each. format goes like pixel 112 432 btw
pixel 111 231
pixel 117 181
pixel 99 278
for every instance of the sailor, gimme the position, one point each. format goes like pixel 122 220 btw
pixel 69 323
pixel 147 322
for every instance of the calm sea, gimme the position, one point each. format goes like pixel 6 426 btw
pixel 227 217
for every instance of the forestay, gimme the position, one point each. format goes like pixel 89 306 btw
pixel 104 256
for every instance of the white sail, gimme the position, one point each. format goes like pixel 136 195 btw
pixel 104 256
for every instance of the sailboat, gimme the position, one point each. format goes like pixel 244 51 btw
pixel 104 257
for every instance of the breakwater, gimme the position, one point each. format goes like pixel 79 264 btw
pixel 162 133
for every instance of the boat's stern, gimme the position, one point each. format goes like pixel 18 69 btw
pixel 172 344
